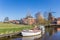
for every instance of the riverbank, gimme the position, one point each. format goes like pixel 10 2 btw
pixel 6 28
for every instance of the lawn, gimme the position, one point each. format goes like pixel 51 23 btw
pixel 6 28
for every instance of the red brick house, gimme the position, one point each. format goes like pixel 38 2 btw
pixel 14 21
pixel 56 21
pixel 28 20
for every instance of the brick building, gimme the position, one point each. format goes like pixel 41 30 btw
pixel 56 21
pixel 28 20
pixel 15 21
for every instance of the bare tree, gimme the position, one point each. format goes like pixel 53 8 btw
pixel 39 18
pixel 6 19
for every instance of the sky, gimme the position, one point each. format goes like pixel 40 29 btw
pixel 17 9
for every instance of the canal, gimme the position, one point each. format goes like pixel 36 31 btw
pixel 46 36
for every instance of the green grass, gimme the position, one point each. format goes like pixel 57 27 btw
pixel 6 28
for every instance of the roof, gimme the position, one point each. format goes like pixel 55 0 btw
pixel 29 17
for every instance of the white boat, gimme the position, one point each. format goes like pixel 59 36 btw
pixel 42 29
pixel 30 32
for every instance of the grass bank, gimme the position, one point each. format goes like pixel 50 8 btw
pixel 11 28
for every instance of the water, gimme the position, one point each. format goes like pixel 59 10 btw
pixel 47 36
pixel 23 38
pixel 27 38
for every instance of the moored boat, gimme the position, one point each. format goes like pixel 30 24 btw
pixel 31 32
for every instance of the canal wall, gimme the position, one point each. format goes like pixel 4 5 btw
pixel 10 34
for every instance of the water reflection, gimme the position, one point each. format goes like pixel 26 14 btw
pixel 28 38
pixel 55 36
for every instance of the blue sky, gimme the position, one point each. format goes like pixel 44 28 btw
pixel 17 9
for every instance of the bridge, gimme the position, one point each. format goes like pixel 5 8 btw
pixel 53 26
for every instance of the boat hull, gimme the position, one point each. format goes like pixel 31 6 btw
pixel 30 33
